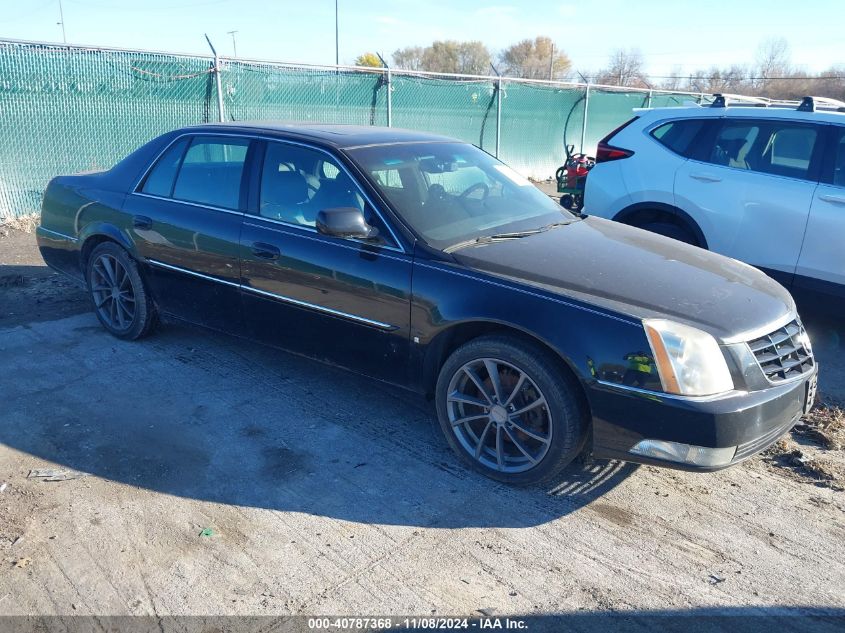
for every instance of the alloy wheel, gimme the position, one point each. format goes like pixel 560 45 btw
pixel 114 296
pixel 499 415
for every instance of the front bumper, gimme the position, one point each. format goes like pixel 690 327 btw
pixel 750 421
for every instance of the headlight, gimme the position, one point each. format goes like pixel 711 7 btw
pixel 689 361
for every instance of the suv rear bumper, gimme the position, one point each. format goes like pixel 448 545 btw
pixel 749 421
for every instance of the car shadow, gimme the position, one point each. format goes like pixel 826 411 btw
pixel 205 416
pixel 827 334
pixel 37 293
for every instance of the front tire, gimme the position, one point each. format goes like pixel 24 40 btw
pixel 509 411
pixel 121 302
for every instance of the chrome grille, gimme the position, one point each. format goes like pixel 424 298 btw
pixel 784 353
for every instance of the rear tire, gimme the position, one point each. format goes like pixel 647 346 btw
pixel 121 302
pixel 509 411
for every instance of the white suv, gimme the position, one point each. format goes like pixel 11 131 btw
pixel 765 185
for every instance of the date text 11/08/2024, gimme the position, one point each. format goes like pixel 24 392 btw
pixel 416 623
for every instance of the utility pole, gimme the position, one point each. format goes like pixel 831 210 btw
pixel 552 62
pixel 234 43
pixel 336 37
pixel 62 18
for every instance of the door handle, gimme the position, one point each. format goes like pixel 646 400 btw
pixel 265 251
pixel 705 177
pixel 833 199
pixel 142 222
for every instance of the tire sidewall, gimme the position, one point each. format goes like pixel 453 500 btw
pixel 142 320
pixel 566 412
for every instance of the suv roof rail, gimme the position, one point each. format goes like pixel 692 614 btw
pixel 723 100
pixel 811 104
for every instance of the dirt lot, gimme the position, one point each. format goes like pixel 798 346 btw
pixel 226 478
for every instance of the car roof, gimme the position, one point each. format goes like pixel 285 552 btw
pixel 338 135
pixel 695 111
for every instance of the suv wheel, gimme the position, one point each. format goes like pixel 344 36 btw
pixel 508 411
pixel 121 302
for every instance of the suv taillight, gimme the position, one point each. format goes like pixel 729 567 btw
pixel 606 152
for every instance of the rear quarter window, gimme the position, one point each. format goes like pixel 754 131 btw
pixel 679 136
pixel 159 182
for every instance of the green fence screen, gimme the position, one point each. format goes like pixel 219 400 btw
pixel 65 109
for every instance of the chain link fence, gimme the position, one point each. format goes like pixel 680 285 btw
pixel 65 109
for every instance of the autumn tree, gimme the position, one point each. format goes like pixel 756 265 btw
pixel 370 60
pixel 535 59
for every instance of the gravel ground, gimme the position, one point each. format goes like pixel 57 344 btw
pixel 222 477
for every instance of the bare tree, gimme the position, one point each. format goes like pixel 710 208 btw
pixel 773 65
pixel 675 80
pixel 445 56
pixel 409 58
pixel 536 59
pixel 732 80
pixel 773 58
pixel 625 69
pixel 831 83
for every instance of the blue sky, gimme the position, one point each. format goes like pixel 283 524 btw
pixel 685 34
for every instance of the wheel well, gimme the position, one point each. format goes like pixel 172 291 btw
pixel 447 342
pixel 648 213
pixel 88 246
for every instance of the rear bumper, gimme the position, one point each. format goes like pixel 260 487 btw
pixel 60 252
pixel 749 421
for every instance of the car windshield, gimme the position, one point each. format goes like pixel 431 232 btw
pixel 454 192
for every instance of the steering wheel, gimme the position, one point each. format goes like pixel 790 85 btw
pixel 473 187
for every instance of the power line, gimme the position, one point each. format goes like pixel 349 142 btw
pixel 734 77
pixel 741 77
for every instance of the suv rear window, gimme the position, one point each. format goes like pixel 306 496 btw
pixel 679 135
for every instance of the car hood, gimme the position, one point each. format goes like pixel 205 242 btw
pixel 638 273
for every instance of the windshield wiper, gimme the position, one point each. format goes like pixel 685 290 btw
pixel 497 237
pixel 542 229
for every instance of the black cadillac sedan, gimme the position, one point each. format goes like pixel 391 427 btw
pixel 425 262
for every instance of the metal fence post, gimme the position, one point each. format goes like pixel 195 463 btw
pixel 221 115
pixel 498 115
pixel 648 101
pixel 388 79
pixel 219 89
pixel 584 121
pixel 389 99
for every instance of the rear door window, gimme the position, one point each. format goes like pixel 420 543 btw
pixel 679 136
pixel 838 162
pixel 780 148
pixel 211 172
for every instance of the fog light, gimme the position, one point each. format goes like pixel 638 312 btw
pixel 685 453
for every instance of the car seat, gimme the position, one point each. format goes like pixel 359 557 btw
pixel 283 196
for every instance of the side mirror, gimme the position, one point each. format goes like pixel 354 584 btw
pixel 345 222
